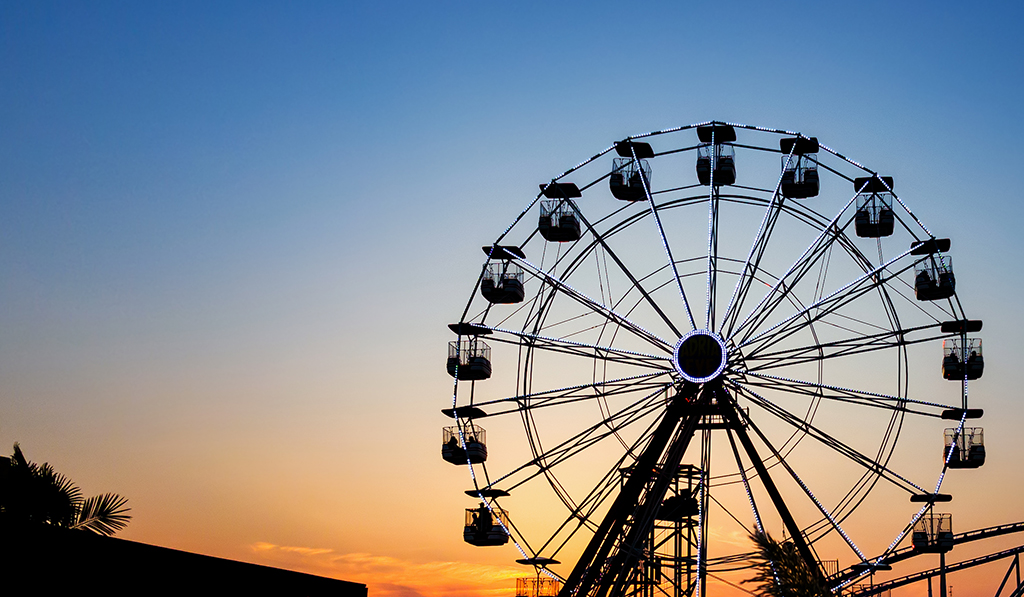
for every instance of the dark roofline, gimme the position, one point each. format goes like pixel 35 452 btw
pixel 82 560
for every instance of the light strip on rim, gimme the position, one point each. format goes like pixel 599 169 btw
pixel 679 368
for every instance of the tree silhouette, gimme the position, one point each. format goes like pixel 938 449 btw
pixel 37 494
pixel 782 572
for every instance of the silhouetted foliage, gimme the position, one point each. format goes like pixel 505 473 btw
pixel 36 494
pixel 782 572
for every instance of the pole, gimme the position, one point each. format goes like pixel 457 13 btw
pixel 942 574
pixel 705 465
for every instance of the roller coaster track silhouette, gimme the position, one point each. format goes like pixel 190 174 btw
pixel 910 552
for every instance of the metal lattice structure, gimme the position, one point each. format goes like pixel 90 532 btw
pixel 679 340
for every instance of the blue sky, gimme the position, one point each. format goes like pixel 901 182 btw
pixel 221 222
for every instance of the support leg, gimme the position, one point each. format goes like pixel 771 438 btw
pixel 591 563
pixel 729 411
pixel 942 575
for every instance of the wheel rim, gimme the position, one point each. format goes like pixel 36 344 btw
pixel 635 360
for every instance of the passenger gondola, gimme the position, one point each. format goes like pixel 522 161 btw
pixel 875 217
pixel 799 167
pixel 485 526
pixel 962 358
pixel 475 450
pixel 503 283
pixel 934 278
pixel 630 179
pixel 933 533
pixel 715 154
pixel 968 451
pixel 559 221
pixel 469 359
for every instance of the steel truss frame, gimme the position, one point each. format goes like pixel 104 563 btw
pixel 774 325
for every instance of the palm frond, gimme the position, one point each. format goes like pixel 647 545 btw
pixel 781 571
pixel 58 498
pixel 60 484
pixel 103 514
pixel 38 494
pixel 19 458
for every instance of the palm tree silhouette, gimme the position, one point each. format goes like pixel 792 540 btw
pixel 32 493
pixel 781 571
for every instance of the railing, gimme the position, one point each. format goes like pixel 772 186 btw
pixel 468 349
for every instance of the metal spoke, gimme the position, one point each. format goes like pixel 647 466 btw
pixel 529 402
pixel 712 277
pixel 841 394
pixel 746 482
pixel 829 234
pixel 838 298
pixel 583 349
pixel 761 361
pixel 821 508
pixel 570 391
pixel 602 490
pixel 664 240
pixel 557 284
pixel 839 447
pixel 757 250
pixel 633 279
pixel 647 405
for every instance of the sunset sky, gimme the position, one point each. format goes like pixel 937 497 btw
pixel 232 235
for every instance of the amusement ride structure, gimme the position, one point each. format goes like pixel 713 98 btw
pixel 714 320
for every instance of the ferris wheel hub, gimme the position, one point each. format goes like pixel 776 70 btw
pixel 699 356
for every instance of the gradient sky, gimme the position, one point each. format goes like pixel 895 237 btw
pixel 232 233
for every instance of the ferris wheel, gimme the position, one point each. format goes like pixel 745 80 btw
pixel 711 326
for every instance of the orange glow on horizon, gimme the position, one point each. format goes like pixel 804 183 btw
pixel 387 576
